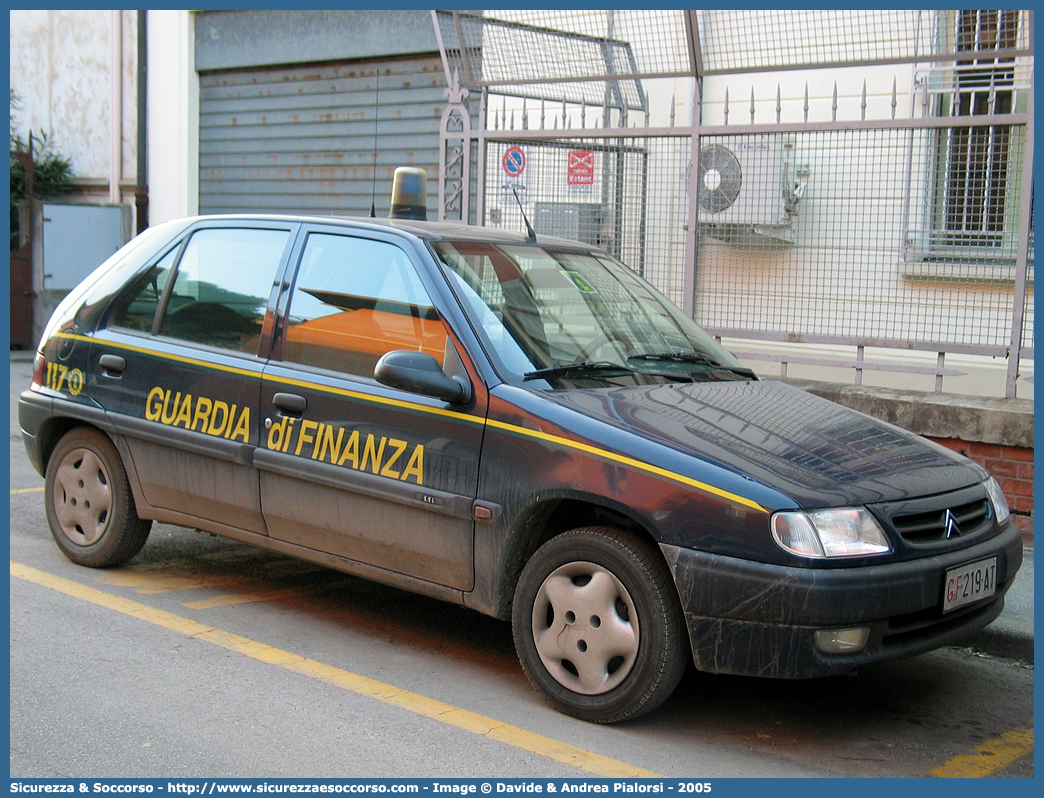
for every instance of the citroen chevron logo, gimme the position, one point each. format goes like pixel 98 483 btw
pixel 951 530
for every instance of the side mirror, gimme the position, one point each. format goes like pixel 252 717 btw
pixel 419 372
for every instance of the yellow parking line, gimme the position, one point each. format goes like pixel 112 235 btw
pixel 27 490
pixel 988 758
pixel 389 694
pixel 151 583
pixel 234 599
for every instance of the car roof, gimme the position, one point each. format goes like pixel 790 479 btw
pixel 446 231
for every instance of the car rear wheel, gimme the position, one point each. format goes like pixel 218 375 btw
pixel 90 508
pixel 597 625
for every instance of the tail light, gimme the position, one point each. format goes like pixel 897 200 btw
pixel 39 364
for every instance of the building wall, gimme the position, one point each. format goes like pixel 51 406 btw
pixel 62 69
pixel 251 39
pixel 75 74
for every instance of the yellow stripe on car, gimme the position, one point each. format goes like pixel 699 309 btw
pixel 514 429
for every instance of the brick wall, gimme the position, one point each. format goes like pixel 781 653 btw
pixel 1012 467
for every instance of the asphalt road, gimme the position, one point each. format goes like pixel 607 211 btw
pixel 204 657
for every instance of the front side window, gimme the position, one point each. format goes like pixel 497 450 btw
pixel 222 286
pixel 355 299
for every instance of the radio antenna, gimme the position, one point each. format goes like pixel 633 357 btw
pixel 531 239
pixel 376 107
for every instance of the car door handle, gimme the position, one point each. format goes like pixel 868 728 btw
pixel 112 365
pixel 290 403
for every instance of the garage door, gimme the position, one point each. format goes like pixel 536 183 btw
pixel 304 138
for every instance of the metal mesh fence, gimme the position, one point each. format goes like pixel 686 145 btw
pixel 866 252
pixel 629 197
pixel 878 207
pixel 603 208
pixel 530 46
pixel 765 38
pixel 820 235
pixel 524 46
pixel 781 39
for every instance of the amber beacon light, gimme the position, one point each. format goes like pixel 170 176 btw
pixel 409 194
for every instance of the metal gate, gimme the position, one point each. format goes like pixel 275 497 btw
pixel 318 139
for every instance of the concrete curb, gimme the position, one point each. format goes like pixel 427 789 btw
pixel 997 640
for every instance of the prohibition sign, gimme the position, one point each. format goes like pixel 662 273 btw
pixel 514 161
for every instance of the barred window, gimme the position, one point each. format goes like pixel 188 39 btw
pixel 978 158
pixel 972 189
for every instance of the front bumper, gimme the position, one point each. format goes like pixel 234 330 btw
pixel 757 619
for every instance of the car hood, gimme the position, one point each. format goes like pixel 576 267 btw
pixel 814 451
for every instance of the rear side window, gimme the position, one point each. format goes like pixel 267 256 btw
pixel 222 282
pixel 354 300
pixel 137 310
pixel 221 287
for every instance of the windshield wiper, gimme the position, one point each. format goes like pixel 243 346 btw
pixel 693 357
pixel 583 369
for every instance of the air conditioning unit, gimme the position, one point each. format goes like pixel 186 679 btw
pixel 747 191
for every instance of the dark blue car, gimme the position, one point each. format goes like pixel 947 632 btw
pixel 517 424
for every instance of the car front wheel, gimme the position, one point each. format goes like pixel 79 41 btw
pixel 90 508
pixel 597 625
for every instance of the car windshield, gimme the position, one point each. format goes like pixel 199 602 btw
pixel 573 318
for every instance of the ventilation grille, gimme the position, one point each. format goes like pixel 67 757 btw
pixel 954 522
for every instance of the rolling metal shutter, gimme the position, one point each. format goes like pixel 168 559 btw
pixel 302 138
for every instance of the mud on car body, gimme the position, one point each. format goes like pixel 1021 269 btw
pixel 519 425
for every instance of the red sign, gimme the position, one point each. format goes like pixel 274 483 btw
pixel 580 168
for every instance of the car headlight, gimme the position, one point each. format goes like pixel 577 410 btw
pixel 1000 505
pixel 840 532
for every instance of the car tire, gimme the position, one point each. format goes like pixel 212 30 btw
pixel 90 507
pixel 598 627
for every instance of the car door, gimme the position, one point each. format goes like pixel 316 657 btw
pixel 351 467
pixel 178 370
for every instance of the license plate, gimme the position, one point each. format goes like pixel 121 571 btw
pixel 967 583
